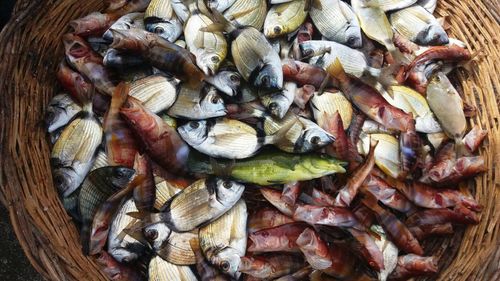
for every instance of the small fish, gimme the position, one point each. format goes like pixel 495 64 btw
pixel 274 167
pixel 61 109
pixel 220 5
pixel 165 190
pixel 161 19
pixel 284 18
pixel 267 218
pixel 120 60
pixel 419 26
pixel 227 80
pixel 209 48
pixel 201 203
pixel 93 24
pixel 386 153
pixel 447 105
pixel 128 7
pixel 156 92
pixel 113 268
pixel 79 88
pixel 337 22
pixel 225 138
pixel 326 104
pixel 278 239
pixel 412 265
pixel 162 270
pixel 247 13
pixel 278 103
pixel 271 266
pixel 197 104
pixel 224 241
pixel 390 5
pixel 95 190
pixel 128 21
pixel 388 249
pixel 205 270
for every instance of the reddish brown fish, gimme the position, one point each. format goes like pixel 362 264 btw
pixel 291 192
pixel 458 215
pixel 145 192
pixel 93 24
pixel 162 142
pixel 273 196
pixel 424 231
pixel 386 194
pixel 277 239
pixel 322 199
pixel 340 147
pixel 332 216
pixel 270 266
pixel 303 73
pixel 79 88
pixel 117 271
pixel 412 265
pixel 474 138
pixel 121 7
pixel 265 218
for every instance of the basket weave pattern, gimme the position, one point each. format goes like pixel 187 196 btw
pixel 30 50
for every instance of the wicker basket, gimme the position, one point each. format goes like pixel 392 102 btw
pixel 31 48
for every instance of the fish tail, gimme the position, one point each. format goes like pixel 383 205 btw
pixel 336 70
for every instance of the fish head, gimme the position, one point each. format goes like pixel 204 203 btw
pixel 433 35
pixel 275 30
pixel 227 192
pixel 120 176
pixel 353 37
pixel 212 103
pixel 157 234
pixel 67 179
pixel 313 139
pixel 306 49
pixel 228 82
pixel 126 22
pixel 54 117
pixel 133 39
pixel 209 62
pixel 324 165
pixel 269 78
pixel 75 47
pixel 124 255
pixel 194 132
pixel 228 261
pixel 168 30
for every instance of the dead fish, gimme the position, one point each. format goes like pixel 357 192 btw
pixel 119 60
pixel 247 13
pixel 156 92
pixel 197 104
pixel 224 240
pixel 202 202
pixel 93 24
pixel 326 104
pixel 61 109
pixel 162 270
pixel 337 22
pixel 419 26
pixel 97 187
pixel 271 266
pixel 284 18
pixel 165 190
pixel 389 251
pixel 390 5
pixel 278 103
pixel 205 270
pixel 220 5
pixel 128 21
pixel 161 19
pixel 114 269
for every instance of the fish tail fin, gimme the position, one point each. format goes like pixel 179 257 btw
pixel 336 70
pixel 280 134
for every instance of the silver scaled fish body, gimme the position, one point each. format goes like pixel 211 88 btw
pixel 161 19
pixel 196 105
pixel 62 108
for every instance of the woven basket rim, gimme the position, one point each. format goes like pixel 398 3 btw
pixel 30 50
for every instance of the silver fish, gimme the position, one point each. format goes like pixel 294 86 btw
pixel 247 13
pixel 123 247
pixel 200 203
pixel 181 10
pixel 156 92
pixel 160 18
pixel 337 21
pixel 227 81
pixel 284 18
pixel 220 5
pixel 128 21
pixel 197 105
pixel 61 109
pixel 279 103
pixel 224 241
pixel 418 25
pixel 162 270
pixel 390 5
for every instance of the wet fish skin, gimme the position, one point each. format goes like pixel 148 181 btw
pixel 93 24
pixel 128 21
pixel 162 270
pixel 247 13
pixel 197 104
pixel 61 109
pixel 284 18
pixel 161 19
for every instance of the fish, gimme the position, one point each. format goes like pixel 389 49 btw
pixel 353 61
pixel 271 266
pixel 387 194
pixel 205 270
pixel 456 215
pixel 95 190
pixel 93 24
pixel 61 109
pixel 387 156
pixel 119 60
pixel 278 103
pixel 160 53
pixel 266 218
pixel 447 105
pixel 429 5
pixel 369 100
pixel 224 241
pixel 161 141
pixel 220 5
pixel 390 5
pixel 332 216
pixel 209 48
pixel 337 22
pixel 411 265
pixel 156 92
pixel 253 55
pixel 274 197
pixel 79 88
pixel 114 269
pixel 419 26
pixel 81 57
pixel 247 13
pixel 278 239
pixel 474 138
pixel 229 82
pixel 388 249
pixel 298 275
pixel 334 261
pixel 305 74
pixel 284 18
pixel 128 21
pixel 144 193
pixel 425 231
pixel 226 138
pixel 274 167
pixel 197 104
pixel 200 203
pixel 120 142
pixel 162 270
pixel 303 95
pixel 326 104
pixel 161 19
pixel 165 190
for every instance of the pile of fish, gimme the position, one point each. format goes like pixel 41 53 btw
pixel 241 139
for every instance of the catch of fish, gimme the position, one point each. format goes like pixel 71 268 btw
pixel 263 140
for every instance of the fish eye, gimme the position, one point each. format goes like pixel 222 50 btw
pixel 159 29
pixel 273 106
pixel 265 80
pixel 215 100
pixel 194 124
pixel 234 78
pixel 277 29
pixel 215 59
pixel 151 234
pixel 225 266
pixel 126 260
pixel 227 184
pixel 120 173
pixel 351 40
pixel 315 140
pixel 307 52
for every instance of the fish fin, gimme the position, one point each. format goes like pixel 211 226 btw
pixel 336 70
pixel 221 21
pixel 280 134
pixel 85 239
pixel 86 100
pixel 138 215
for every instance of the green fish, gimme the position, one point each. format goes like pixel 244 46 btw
pixel 269 167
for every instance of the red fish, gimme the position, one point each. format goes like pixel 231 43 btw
pixel 270 266
pixel 93 24
pixel 267 218
pixel 281 238
pixel 412 265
